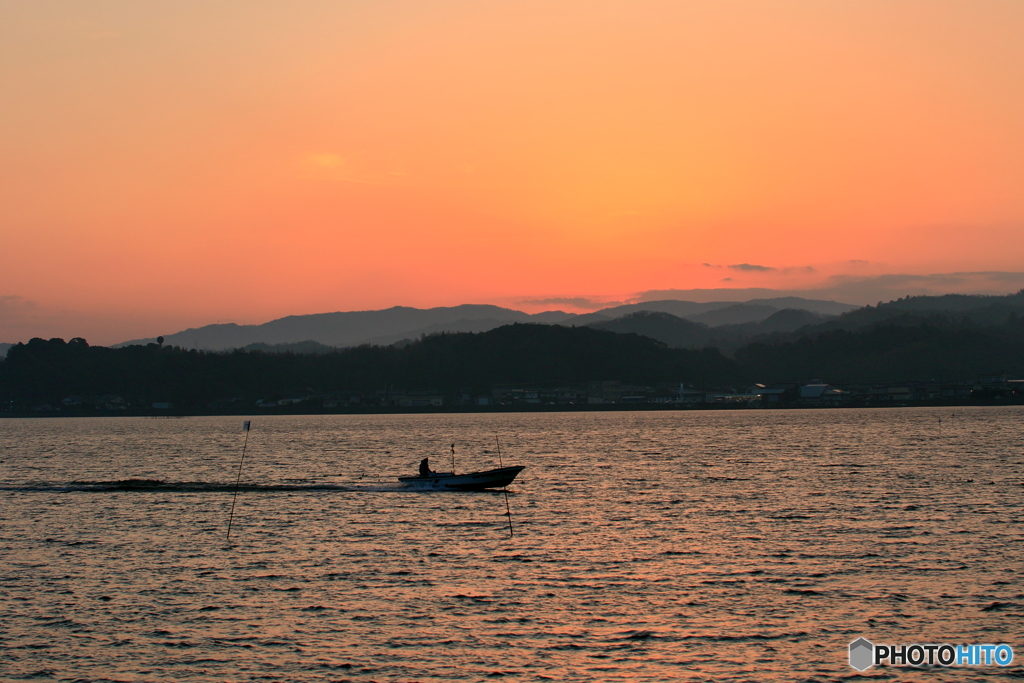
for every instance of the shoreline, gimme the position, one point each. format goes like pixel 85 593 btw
pixel 527 408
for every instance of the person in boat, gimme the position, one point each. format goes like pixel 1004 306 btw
pixel 425 467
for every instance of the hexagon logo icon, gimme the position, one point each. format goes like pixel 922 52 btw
pixel 862 654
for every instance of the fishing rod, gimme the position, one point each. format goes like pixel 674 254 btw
pixel 238 478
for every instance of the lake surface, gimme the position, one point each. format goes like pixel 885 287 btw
pixel 648 546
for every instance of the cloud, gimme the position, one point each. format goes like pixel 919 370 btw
pixel 576 302
pixel 17 312
pixel 326 160
pixel 853 289
pixel 332 166
pixel 14 305
pixel 707 295
pixel 755 268
pixel 20 317
pixel 1014 279
pixel 896 285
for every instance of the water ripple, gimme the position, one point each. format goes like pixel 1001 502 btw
pixel 689 546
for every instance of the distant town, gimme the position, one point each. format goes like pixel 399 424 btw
pixel 596 395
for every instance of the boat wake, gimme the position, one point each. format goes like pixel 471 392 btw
pixel 161 486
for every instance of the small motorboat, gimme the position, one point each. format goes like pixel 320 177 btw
pixel 470 481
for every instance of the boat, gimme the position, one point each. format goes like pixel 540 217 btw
pixel 470 481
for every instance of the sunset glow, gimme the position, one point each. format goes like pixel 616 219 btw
pixel 166 166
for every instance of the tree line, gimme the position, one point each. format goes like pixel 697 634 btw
pixel 451 363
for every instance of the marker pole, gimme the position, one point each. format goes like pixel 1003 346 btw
pixel 508 511
pixel 238 478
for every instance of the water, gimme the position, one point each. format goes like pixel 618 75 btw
pixel 667 546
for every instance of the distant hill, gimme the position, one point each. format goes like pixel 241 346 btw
pixel 893 342
pixel 481 325
pixel 50 370
pixel 3 350
pixel 667 328
pixel 754 310
pixel 818 306
pixel 680 309
pixel 789 320
pixel 683 333
pixel 913 350
pixel 718 313
pixel 729 324
pixel 297 347
pixel 346 329
pixel 953 310
pixel 955 302
pixel 923 337
pixel 779 326
pixel 735 314
pixel 46 371
pixel 400 323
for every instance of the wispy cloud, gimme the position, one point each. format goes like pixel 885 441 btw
pixel 853 289
pixel 346 169
pixel 14 305
pixel 20 316
pixel 21 319
pixel 585 303
pixel 757 268
pixel 326 160
pixel 895 285
pixel 707 295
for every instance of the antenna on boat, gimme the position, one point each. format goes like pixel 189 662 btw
pixel 238 478
pixel 453 458
pixel 508 511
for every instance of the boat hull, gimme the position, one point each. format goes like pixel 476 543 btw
pixel 470 481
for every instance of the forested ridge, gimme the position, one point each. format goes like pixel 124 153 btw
pixel 909 343
pixel 48 370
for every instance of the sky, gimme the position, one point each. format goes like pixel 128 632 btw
pixel 171 165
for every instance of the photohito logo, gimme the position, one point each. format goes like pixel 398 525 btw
pixel 864 654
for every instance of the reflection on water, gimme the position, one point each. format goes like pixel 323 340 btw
pixel 670 546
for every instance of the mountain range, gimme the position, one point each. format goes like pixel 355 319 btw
pixel 402 324
pixel 692 333
pixel 918 339
pixel 949 312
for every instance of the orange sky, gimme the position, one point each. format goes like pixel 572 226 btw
pixel 165 165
